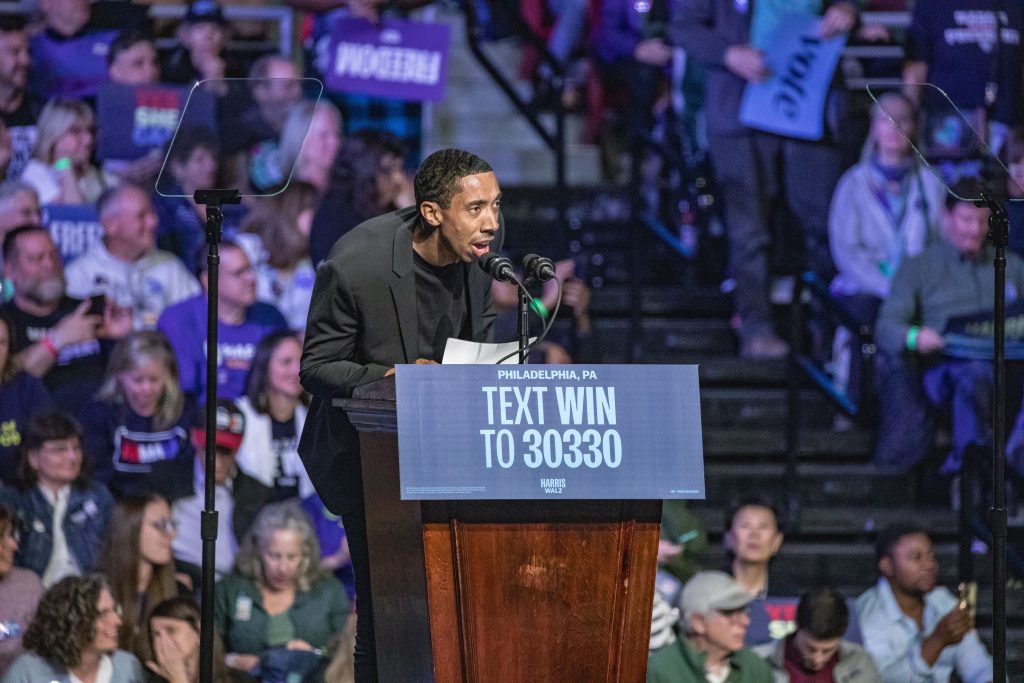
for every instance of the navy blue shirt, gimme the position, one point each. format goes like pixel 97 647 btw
pixel 19 399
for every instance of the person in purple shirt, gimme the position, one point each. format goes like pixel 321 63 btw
pixel 69 56
pixel 243 322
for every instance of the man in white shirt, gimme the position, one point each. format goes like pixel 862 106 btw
pixel 126 266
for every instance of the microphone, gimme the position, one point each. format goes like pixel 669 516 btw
pixel 498 267
pixel 538 267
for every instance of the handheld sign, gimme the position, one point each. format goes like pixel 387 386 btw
pixel 403 60
pixel 552 431
pixel 136 119
pixel 74 228
pixel 972 337
pixel 791 101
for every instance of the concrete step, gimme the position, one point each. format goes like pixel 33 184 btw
pixel 820 485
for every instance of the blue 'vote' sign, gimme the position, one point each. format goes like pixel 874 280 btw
pixel 553 431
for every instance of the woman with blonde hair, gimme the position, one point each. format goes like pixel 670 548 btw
pixel 275 236
pixel 61 169
pixel 278 608
pixel 310 141
pixel 885 209
pixel 138 563
pixel 136 429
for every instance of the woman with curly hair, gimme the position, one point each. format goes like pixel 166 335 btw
pixel 73 637
pixel 279 609
pixel 138 563
pixel 173 644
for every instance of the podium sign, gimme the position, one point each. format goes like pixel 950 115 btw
pixel 548 432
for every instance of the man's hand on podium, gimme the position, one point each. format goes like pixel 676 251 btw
pixel 419 361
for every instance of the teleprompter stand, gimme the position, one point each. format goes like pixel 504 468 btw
pixel 213 200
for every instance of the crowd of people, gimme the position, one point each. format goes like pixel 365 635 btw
pixel 103 329
pixel 732 625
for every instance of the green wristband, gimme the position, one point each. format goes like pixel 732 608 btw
pixel 912 337
pixel 62 164
pixel 539 308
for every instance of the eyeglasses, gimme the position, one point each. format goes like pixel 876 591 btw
pixel 116 609
pixel 164 526
pixel 11 533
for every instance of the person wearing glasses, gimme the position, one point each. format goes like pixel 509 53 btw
pixel 715 621
pixel 73 637
pixel 61 514
pixel 20 591
pixel 242 323
pixel 138 563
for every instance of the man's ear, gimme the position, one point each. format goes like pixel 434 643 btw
pixel 697 624
pixel 885 567
pixel 431 213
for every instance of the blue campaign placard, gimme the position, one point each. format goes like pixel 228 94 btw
pixel 489 432
pixel 74 228
pixel 791 101
pixel 133 120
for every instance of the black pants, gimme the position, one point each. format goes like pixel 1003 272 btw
pixel 354 520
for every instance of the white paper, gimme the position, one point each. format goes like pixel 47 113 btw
pixel 462 352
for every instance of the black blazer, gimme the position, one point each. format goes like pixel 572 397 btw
pixel 363 321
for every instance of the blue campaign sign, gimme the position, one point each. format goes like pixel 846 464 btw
pixel 74 227
pixel 553 431
pixel 791 101
pixel 133 120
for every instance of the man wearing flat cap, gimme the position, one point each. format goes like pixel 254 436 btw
pixel 715 622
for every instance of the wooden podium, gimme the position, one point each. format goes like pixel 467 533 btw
pixel 501 591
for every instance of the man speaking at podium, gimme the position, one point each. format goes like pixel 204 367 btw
pixel 393 290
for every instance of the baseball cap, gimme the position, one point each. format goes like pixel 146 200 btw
pixel 712 590
pixel 204 11
pixel 230 426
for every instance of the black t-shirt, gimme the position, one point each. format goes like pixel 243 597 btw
pixel 284 438
pixel 131 457
pixel 79 369
pixel 441 306
pixel 956 39
pixel 22 125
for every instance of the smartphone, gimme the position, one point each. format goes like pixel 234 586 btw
pixel 968 596
pixel 97 304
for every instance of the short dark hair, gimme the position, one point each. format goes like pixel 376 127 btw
pixel 823 614
pixel 190 138
pixel 9 23
pixel 967 187
pixel 201 264
pixel 751 501
pixel 889 537
pixel 50 425
pixel 126 40
pixel 11 238
pixel 439 177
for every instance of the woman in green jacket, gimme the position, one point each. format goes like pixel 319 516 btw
pixel 277 608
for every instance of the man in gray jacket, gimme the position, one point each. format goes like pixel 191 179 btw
pixel 816 651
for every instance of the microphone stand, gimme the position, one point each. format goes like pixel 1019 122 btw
pixel 523 327
pixel 213 200
pixel 999 233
